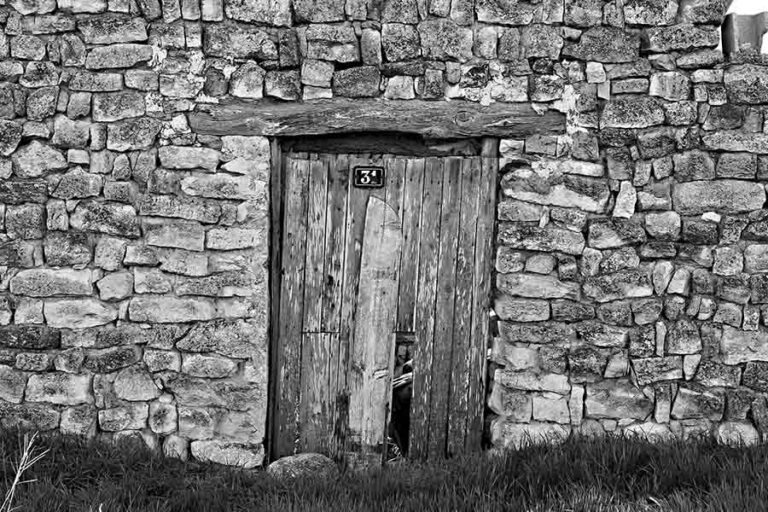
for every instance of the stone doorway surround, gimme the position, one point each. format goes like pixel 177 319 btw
pixel 422 119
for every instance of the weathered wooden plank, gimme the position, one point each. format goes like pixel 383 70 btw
pixel 409 260
pixel 444 303
pixel 338 181
pixel 471 169
pixel 277 168
pixel 315 252
pixel 395 143
pixel 482 290
pixel 357 202
pixel 316 399
pixel 291 303
pixel 425 307
pixel 369 375
pixel 439 119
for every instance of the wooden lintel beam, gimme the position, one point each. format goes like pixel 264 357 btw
pixel 438 119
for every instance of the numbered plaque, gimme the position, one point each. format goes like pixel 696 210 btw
pixel 368 177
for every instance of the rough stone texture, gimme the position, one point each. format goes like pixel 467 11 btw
pixel 630 245
pixel 304 465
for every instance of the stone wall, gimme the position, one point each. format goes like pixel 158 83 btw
pixel 631 279
pixel 133 251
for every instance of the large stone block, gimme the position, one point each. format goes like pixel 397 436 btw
pixel 238 41
pixel 534 238
pixel 126 417
pixel 43 282
pixel 632 112
pixel 605 44
pixel 654 369
pixel 107 218
pixel 59 388
pixel 549 186
pixel 681 37
pixel 537 286
pixel 189 157
pixel 10 136
pixel 79 421
pixel 132 134
pixel 746 83
pixel 735 140
pixel 738 346
pixel 179 234
pixel 237 339
pixel 521 310
pixel 559 333
pixel 756 258
pixel 77 184
pixel 616 398
pixel 229 394
pixel 115 106
pixel 111 359
pixel 270 12
pixel 650 12
pixel 112 28
pixel 697 402
pixel 533 381
pixel 78 313
pixel 25 221
pixel 220 186
pixel 37 159
pixel 118 56
pixel 180 207
pixel 209 366
pixel 619 285
pixel 444 39
pixel 134 384
pixel 12 384
pixel 67 248
pixel 335 43
pixel 18 192
pixel 614 233
pixel 721 196
pixel 29 417
pixel 357 82
pixel 170 309
pixel 29 337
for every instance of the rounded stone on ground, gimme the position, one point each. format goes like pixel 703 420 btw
pixel 304 465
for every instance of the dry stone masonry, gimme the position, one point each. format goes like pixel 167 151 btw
pixel 631 277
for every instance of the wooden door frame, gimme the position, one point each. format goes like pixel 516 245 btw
pixel 489 149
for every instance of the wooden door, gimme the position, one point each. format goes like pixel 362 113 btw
pixel 359 267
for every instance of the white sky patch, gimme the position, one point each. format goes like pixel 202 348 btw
pixel 748 6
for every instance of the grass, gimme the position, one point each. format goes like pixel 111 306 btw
pixel 607 474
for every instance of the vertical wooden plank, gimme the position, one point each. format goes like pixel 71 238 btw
pixel 357 202
pixel 462 310
pixel 315 251
pixel 425 307
pixel 291 303
pixel 314 356
pixel 315 397
pixel 338 180
pixel 369 377
pixel 409 266
pixel 333 277
pixel 395 181
pixel 482 289
pixel 277 168
pixel 444 303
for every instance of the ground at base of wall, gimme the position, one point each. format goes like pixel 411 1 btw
pixel 605 473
